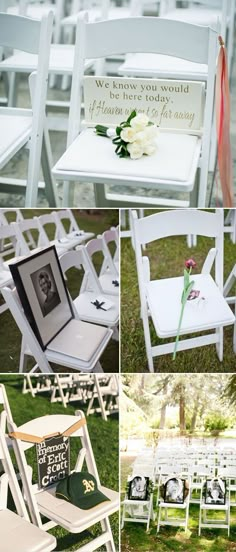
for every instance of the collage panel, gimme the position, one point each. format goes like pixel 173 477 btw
pixel 178 462
pixel 178 290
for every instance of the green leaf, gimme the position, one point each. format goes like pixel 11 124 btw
pixel 131 116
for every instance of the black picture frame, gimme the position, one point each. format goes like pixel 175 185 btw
pixel 173 486
pixel 27 275
pixel 212 488
pixel 140 493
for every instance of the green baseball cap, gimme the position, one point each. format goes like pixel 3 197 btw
pixel 80 488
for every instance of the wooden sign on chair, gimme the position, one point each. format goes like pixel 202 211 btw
pixel 169 104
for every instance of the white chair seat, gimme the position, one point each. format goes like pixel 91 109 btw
pixel 18 534
pixel 15 131
pixel 89 313
pixel 157 65
pixel 71 517
pixel 36 11
pixel 215 506
pixel 198 16
pixel 170 505
pixel 95 156
pixel 164 301
pixel 60 62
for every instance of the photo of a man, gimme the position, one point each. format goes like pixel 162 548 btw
pixel 46 290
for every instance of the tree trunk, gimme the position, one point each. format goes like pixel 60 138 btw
pixel 163 416
pixel 182 424
pixel 195 413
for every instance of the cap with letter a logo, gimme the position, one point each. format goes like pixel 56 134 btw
pixel 81 490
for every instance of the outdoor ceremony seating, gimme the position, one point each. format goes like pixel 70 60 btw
pixel 106 393
pixel 65 217
pixel 27 127
pixel 85 302
pixel 160 297
pixel 43 502
pixel 17 533
pixel 206 522
pixel 91 158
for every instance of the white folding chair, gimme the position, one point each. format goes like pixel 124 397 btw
pixel 44 503
pixel 27 127
pixel 48 223
pixel 65 217
pixel 5 218
pixel 231 300
pixel 84 302
pixel 105 391
pixel 31 347
pixel 137 511
pixel 207 522
pixel 17 533
pixel 108 280
pixel 173 519
pixel 160 297
pixel 91 158
pixel 109 237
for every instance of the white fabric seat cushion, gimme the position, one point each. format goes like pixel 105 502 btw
pixel 196 16
pixel 61 60
pixel 71 517
pixel 15 131
pixel 164 301
pixel 96 155
pixel 157 65
pixel 19 535
pixel 89 313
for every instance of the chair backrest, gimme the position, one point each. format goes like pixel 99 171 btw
pixel 9 472
pixel 8 232
pixel 97 245
pixel 176 223
pixel 77 259
pixel 46 225
pixel 51 424
pixel 145 35
pixel 24 229
pixel 66 216
pixel 16 213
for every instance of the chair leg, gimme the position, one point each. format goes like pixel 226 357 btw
pixel 234 337
pixel 148 343
pixel 98 368
pixel 123 517
pixel 12 92
pixel 110 546
pixel 46 161
pixel 100 195
pixel 23 358
pixel 159 519
pixel 220 344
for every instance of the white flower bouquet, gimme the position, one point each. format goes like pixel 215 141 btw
pixel 134 137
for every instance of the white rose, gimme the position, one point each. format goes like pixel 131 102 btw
pixel 149 148
pixel 151 132
pixel 128 134
pixel 140 121
pixel 135 150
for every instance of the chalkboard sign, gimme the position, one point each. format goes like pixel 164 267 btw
pixel 53 458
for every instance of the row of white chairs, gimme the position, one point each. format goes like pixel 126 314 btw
pixel 100 392
pixel 89 158
pixel 26 530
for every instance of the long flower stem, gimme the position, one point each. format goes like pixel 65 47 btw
pixel 187 288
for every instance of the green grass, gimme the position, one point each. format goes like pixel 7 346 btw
pixel 170 539
pixel 104 439
pixel 10 336
pixel 167 259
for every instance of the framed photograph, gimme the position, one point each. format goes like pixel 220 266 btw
pixel 138 488
pixel 41 288
pixel 174 490
pixel 215 491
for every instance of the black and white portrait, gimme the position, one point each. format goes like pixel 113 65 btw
pixel 215 491
pixel 45 289
pixel 138 488
pixel 174 490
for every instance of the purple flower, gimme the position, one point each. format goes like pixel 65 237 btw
pixel 190 263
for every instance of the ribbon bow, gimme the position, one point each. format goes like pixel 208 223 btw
pixel 115 283
pixel 98 305
pixel 223 126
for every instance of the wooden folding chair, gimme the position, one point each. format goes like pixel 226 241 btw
pixel 43 503
pixel 160 297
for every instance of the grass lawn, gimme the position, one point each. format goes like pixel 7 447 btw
pixel 104 439
pixel 171 539
pixel 167 259
pixel 10 336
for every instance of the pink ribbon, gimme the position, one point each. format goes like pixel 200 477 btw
pixel 223 127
